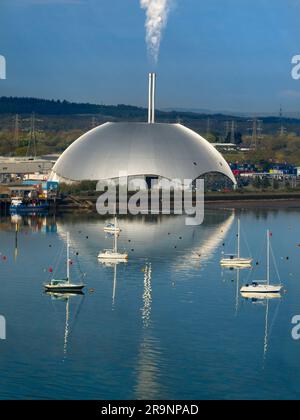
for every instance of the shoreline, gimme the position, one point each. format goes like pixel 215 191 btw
pixel 254 200
pixel 219 203
pixel 87 204
pixel 253 204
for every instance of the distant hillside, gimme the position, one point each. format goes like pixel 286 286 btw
pixel 59 123
pixel 71 112
pixel 12 105
pixel 15 105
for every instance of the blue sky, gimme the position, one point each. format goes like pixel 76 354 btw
pixel 215 54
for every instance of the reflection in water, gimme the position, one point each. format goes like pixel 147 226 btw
pixel 266 331
pixel 237 296
pixel 147 296
pixel 158 237
pixel 158 341
pixel 236 278
pixel 34 223
pixel 210 240
pixel 16 242
pixel 148 368
pixel 165 239
pixel 264 300
pixel 113 264
pixel 258 300
pixel 66 298
pixel 115 284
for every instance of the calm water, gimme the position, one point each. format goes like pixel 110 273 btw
pixel 170 324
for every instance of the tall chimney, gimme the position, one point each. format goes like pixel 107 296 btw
pixel 150 99
pixel 151 106
pixel 153 96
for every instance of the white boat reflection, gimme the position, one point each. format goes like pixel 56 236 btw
pixel 66 298
pixel 264 300
pixel 113 264
pixel 260 297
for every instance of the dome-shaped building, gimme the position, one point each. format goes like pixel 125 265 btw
pixel 147 150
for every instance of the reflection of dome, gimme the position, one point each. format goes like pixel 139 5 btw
pixel 169 151
pixel 162 237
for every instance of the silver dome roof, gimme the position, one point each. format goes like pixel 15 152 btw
pixel 170 151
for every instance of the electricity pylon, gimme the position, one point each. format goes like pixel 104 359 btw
pixel 17 123
pixel 256 133
pixel 32 142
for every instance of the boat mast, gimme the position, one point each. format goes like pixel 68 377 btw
pixel 116 242
pixel 68 257
pixel 268 257
pixel 239 240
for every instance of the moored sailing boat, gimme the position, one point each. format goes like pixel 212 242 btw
pixel 236 260
pixel 64 285
pixel 265 286
pixel 113 254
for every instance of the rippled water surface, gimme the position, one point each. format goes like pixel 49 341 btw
pixel 170 324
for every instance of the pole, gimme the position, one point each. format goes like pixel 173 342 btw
pixel 150 100
pixel 116 237
pixel 268 258
pixel 153 97
pixel 68 257
pixel 239 240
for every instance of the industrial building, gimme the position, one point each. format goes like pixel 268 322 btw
pixel 12 169
pixel 150 151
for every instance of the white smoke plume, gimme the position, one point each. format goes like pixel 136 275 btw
pixel 157 12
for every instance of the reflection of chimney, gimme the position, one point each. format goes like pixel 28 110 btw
pixel 151 106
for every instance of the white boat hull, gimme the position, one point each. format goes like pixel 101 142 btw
pixel 261 296
pixel 261 289
pixel 64 288
pixel 113 257
pixel 112 230
pixel 236 262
